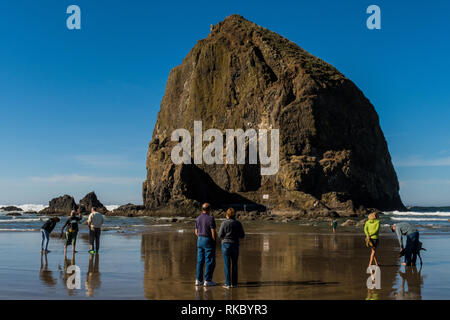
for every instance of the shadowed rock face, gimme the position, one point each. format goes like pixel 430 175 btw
pixel 90 201
pixel 60 206
pixel 333 154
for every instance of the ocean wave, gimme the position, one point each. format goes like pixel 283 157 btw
pixel 112 207
pixel 418 219
pixel 415 213
pixel 18 230
pixel 27 207
pixel 19 220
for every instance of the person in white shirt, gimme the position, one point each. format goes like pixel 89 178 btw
pixel 95 222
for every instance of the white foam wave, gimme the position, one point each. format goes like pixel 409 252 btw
pixel 112 207
pixel 27 207
pixel 18 230
pixel 426 214
pixel 417 219
pixel 18 220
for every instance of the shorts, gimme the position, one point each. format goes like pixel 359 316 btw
pixel 71 238
pixel 375 242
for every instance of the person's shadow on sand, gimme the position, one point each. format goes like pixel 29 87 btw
pixel 45 274
pixel 93 280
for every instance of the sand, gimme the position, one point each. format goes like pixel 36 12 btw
pixel 277 261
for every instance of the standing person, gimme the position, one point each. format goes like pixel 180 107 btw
pixel 333 225
pixel 205 230
pixel 371 229
pixel 46 229
pixel 95 222
pixel 71 231
pixel 230 232
pixel 412 241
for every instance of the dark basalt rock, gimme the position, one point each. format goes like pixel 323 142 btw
pixel 89 201
pixel 129 210
pixel 10 209
pixel 14 214
pixel 60 206
pixel 334 159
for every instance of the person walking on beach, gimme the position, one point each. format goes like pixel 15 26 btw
pixel 412 241
pixel 46 229
pixel 71 231
pixel 95 222
pixel 230 232
pixel 205 230
pixel 371 229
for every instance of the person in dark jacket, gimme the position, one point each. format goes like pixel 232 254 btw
pixel 230 232
pixel 71 227
pixel 412 241
pixel 46 229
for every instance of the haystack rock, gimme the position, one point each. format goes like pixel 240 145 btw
pixel 333 155
pixel 90 201
pixel 60 206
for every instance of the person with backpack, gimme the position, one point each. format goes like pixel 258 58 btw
pixel 371 229
pixel 71 227
pixel 46 229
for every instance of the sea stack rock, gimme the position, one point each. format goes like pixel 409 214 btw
pixel 333 156
pixel 11 209
pixel 89 201
pixel 60 206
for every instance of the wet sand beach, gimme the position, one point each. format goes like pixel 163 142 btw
pixel 277 261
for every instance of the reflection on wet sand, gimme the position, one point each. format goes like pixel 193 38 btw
pixel 45 274
pixel 280 264
pixel 64 274
pixel 411 279
pixel 93 280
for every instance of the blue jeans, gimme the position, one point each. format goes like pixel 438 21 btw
pixel 46 237
pixel 230 253
pixel 206 257
pixel 412 243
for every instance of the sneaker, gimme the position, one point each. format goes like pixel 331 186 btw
pixel 198 283
pixel 209 284
pixel 91 251
pixel 226 286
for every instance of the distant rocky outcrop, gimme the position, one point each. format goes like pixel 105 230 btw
pixel 334 159
pixel 14 214
pixel 129 210
pixel 10 209
pixel 60 206
pixel 90 201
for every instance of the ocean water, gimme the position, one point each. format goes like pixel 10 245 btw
pixel 425 218
pixel 30 222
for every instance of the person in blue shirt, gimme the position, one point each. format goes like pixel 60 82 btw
pixel 205 230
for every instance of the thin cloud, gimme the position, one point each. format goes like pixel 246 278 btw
pixel 103 160
pixel 80 179
pixel 421 162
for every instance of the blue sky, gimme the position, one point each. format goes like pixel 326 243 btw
pixel 77 108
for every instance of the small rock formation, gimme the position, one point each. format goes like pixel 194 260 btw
pixel 348 223
pixel 60 206
pixel 129 210
pixel 333 154
pixel 10 209
pixel 14 214
pixel 89 201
